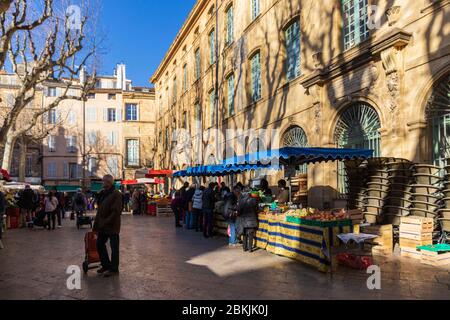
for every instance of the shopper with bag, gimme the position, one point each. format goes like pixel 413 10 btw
pixel 247 218
pixel 230 213
pixel 107 224
pixel 197 205
pixel 50 207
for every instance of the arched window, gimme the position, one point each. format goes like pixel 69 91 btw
pixel 358 128
pixel 295 136
pixel 438 114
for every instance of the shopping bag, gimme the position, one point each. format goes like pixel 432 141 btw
pixel 229 231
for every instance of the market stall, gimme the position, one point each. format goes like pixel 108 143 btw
pixel 156 204
pixel 12 191
pixel 307 235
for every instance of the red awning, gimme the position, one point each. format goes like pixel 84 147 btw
pixel 142 181
pixel 158 173
pixel 4 175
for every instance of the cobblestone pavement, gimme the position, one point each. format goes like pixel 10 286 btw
pixel 159 262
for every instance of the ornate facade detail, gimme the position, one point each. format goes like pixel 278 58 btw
pixel 318 118
pixel 393 14
pixel 391 64
pixel 317 59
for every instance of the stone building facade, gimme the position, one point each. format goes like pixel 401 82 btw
pixel 114 128
pixel 332 73
pixel 118 125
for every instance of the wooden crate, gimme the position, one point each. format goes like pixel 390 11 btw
pixel 413 244
pixel 434 258
pixel 384 243
pixel 411 253
pixel 164 211
pixel 416 228
pixel 415 236
pixel 356 216
pixel 417 224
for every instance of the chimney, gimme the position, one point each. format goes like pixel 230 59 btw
pixel 121 76
pixel 82 75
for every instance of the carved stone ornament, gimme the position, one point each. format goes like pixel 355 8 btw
pixel 317 59
pixel 318 118
pixel 315 92
pixel 390 59
pixel 393 14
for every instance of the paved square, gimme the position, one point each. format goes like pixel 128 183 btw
pixel 159 262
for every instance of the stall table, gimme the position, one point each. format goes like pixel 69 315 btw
pixel 309 244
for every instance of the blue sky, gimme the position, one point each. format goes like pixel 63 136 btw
pixel 139 32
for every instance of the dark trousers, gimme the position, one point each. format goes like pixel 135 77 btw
pixel 51 217
pixel 200 221
pixel 249 236
pixel 176 211
pixel 113 263
pixel 59 216
pixel 208 218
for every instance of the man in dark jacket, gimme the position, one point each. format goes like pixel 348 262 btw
pixel 26 204
pixel 208 203
pixel 107 224
pixel 247 218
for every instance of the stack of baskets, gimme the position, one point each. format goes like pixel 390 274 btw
pixel 356 182
pixel 426 191
pixel 377 190
pixel 398 201
pixel 444 212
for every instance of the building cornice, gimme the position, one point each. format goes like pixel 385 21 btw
pixel 358 56
pixel 184 31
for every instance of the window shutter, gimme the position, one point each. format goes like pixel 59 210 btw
pixel 105 114
pixel 138 112
pixel 66 170
pixel 79 171
pixel 118 115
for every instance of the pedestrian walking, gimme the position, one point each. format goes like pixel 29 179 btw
pixel 188 207
pixel 208 203
pixel 50 207
pixel 79 202
pixel 230 214
pixel 26 204
pixel 135 202
pixel 143 202
pixel 183 192
pixel 126 201
pixel 176 205
pixel 247 218
pixel 58 211
pixel 2 212
pixel 107 224
pixel 197 207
